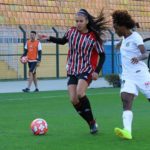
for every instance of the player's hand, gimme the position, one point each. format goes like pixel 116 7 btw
pixel 94 76
pixel 38 64
pixel 134 60
pixel 43 36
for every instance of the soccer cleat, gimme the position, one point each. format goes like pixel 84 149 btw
pixel 94 128
pixel 36 90
pixel 26 90
pixel 122 133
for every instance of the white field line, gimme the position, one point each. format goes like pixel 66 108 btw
pixel 58 96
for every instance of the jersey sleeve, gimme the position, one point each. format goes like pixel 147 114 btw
pixel 39 46
pixel 67 34
pixel 138 39
pixel 26 47
pixel 99 48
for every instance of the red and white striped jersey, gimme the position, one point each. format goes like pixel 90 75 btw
pixel 83 52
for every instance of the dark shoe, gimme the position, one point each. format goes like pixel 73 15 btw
pixel 36 90
pixel 26 90
pixel 93 128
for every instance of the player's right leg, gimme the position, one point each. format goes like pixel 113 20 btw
pixel 29 83
pixel 127 117
pixel 72 89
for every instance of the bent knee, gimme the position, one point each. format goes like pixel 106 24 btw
pixel 80 94
pixel 127 100
pixel 74 100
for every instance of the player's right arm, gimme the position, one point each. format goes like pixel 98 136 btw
pixel 25 51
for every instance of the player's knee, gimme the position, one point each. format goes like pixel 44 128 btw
pixel 80 94
pixel 127 101
pixel 73 98
pixel 126 104
pixel 74 101
pixel 147 94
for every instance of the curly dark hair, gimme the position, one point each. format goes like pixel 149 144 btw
pixel 97 24
pixel 123 18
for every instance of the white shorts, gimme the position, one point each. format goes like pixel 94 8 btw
pixel 135 83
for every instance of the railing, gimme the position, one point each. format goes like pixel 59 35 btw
pixel 53 65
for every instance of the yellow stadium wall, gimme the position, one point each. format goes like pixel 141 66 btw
pixel 61 12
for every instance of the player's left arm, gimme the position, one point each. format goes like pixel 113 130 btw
pixel 101 61
pixel 25 51
pixel 138 40
pixel 39 54
pixel 99 66
pixel 143 56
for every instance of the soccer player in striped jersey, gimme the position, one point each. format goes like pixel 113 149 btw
pixel 135 74
pixel 85 60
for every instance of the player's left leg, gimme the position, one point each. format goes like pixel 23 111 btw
pixel 127 116
pixel 34 66
pixel 128 92
pixel 72 89
pixel 35 82
pixel 86 106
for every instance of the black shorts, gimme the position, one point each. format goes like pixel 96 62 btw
pixel 73 79
pixel 32 66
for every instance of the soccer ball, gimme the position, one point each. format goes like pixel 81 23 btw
pixel 39 126
pixel 24 59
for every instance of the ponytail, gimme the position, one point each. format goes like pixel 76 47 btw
pixel 96 24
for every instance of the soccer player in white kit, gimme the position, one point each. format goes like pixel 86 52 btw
pixel 135 74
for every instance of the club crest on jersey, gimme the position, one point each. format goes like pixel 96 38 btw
pixel 147 84
pixel 127 44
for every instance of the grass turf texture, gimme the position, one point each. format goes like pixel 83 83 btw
pixel 67 131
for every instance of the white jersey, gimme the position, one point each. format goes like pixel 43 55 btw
pixel 129 49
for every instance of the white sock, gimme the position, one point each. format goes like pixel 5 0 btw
pixel 127 120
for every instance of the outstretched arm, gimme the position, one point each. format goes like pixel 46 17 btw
pixel 62 40
pixel 58 40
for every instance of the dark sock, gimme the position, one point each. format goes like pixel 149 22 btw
pixel 78 108
pixel 86 110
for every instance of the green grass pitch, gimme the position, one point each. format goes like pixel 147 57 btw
pixel 67 131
